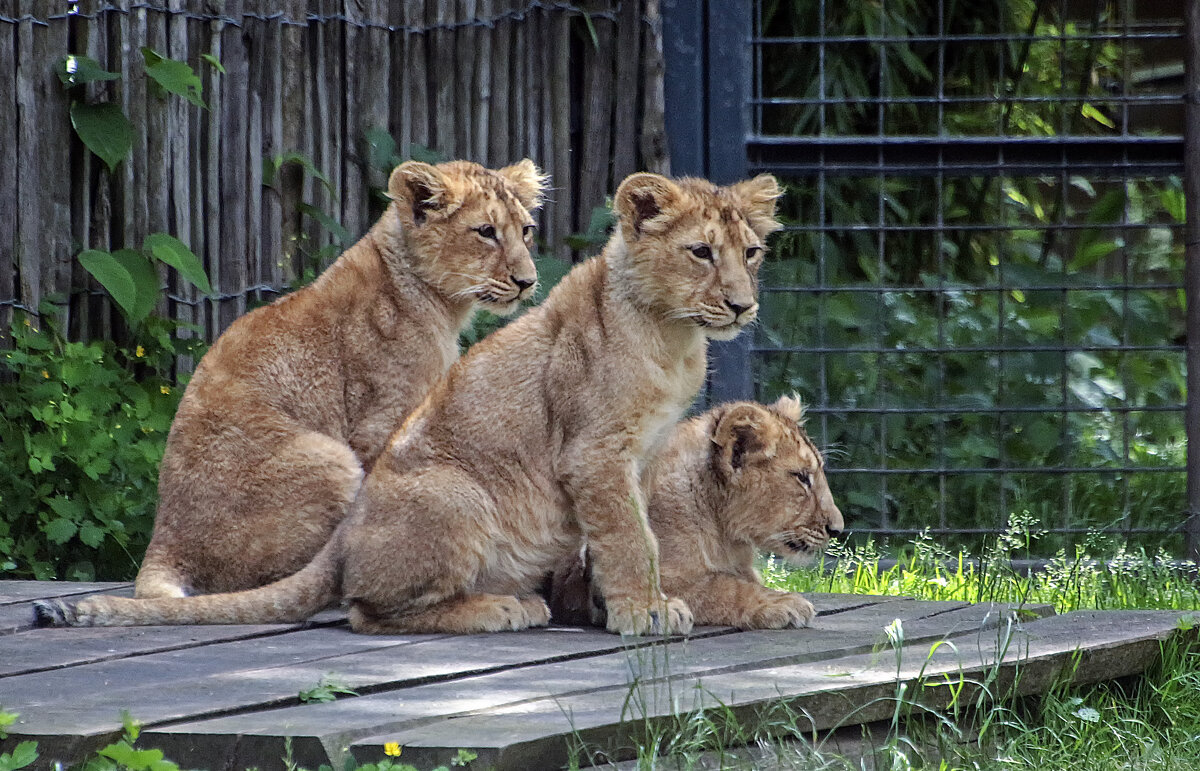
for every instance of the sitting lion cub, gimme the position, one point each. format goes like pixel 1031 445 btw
pixel 535 439
pixel 296 399
pixel 739 478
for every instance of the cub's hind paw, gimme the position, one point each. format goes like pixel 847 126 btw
pixel 627 616
pixel 536 610
pixel 781 611
pixel 54 613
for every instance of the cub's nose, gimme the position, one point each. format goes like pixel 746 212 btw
pixel 523 283
pixel 833 532
pixel 737 307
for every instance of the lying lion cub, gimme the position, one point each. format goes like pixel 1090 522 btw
pixel 535 438
pixel 740 477
pixel 297 399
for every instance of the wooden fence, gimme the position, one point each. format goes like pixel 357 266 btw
pixel 576 87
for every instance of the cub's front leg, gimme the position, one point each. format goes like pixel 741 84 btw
pixel 722 599
pixel 611 511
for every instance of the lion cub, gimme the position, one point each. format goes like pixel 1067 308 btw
pixel 532 441
pixel 739 478
pixel 296 399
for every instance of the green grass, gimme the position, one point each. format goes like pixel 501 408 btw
pixel 1152 722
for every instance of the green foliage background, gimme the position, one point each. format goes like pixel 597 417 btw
pixel 923 274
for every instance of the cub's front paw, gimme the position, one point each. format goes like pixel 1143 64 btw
pixel 781 611
pixel 633 617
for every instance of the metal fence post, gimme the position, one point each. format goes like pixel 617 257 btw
pixel 1191 238
pixel 730 26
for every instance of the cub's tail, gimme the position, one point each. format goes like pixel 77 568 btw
pixel 313 588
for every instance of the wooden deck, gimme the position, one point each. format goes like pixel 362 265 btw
pixel 228 696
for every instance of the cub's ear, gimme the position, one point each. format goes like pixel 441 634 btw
pixel 420 189
pixel 791 408
pixel 642 199
pixel 757 198
pixel 528 182
pixel 738 436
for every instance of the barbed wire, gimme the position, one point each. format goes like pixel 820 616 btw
pixel 279 17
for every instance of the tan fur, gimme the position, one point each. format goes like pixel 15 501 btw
pixel 538 436
pixel 726 485
pixel 296 400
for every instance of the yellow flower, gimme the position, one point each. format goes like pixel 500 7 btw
pixel 391 749
pixel 164 389
pixel 45 374
pixel 140 352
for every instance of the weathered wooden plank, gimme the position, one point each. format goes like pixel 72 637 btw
pixel 18 614
pixel 558 156
pixel 498 108
pixel 625 107
pixel 23 591
pixel 597 121
pixel 443 61
pixel 654 129
pixel 537 734
pixel 33 651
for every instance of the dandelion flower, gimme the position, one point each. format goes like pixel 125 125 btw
pixel 140 352
pixel 164 389
pixel 392 749
pixel 45 374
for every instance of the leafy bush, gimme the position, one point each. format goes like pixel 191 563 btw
pixel 82 430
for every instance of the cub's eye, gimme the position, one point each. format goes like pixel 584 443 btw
pixel 804 477
pixel 753 253
pixel 528 230
pixel 701 252
pixel 487 231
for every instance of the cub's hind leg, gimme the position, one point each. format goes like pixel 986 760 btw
pixel 467 614
pixel 257 513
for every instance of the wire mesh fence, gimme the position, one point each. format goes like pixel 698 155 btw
pixel 980 289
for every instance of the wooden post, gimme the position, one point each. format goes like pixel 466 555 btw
pixel 1191 183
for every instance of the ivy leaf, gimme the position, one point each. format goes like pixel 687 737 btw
pixel 104 129
pixel 174 76
pixel 113 276
pixel 175 253
pixel 145 281
pixel 73 70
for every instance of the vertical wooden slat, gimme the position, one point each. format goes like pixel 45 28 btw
pixel 179 126
pixel 520 83
pixel 501 80
pixel 655 156
pixel 373 86
pixel 29 182
pixel 158 166
pixel 267 71
pixel 445 134
pixel 625 134
pixel 416 68
pixel 291 64
pixel 466 100
pixel 535 80
pixel 596 119
pixel 133 178
pixel 256 34
pixel 353 179
pixel 50 45
pixel 9 229
pixel 559 159
pixel 234 136
pixel 484 9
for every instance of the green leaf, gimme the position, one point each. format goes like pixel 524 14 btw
pixel 113 276
pixel 214 61
pixel 381 149
pixel 175 253
pixel 145 281
pixel 104 129
pixel 22 755
pixel 91 535
pixel 60 530
pixel 174 76
pixel 329 223
pixel 1090 111
pixel 73 70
